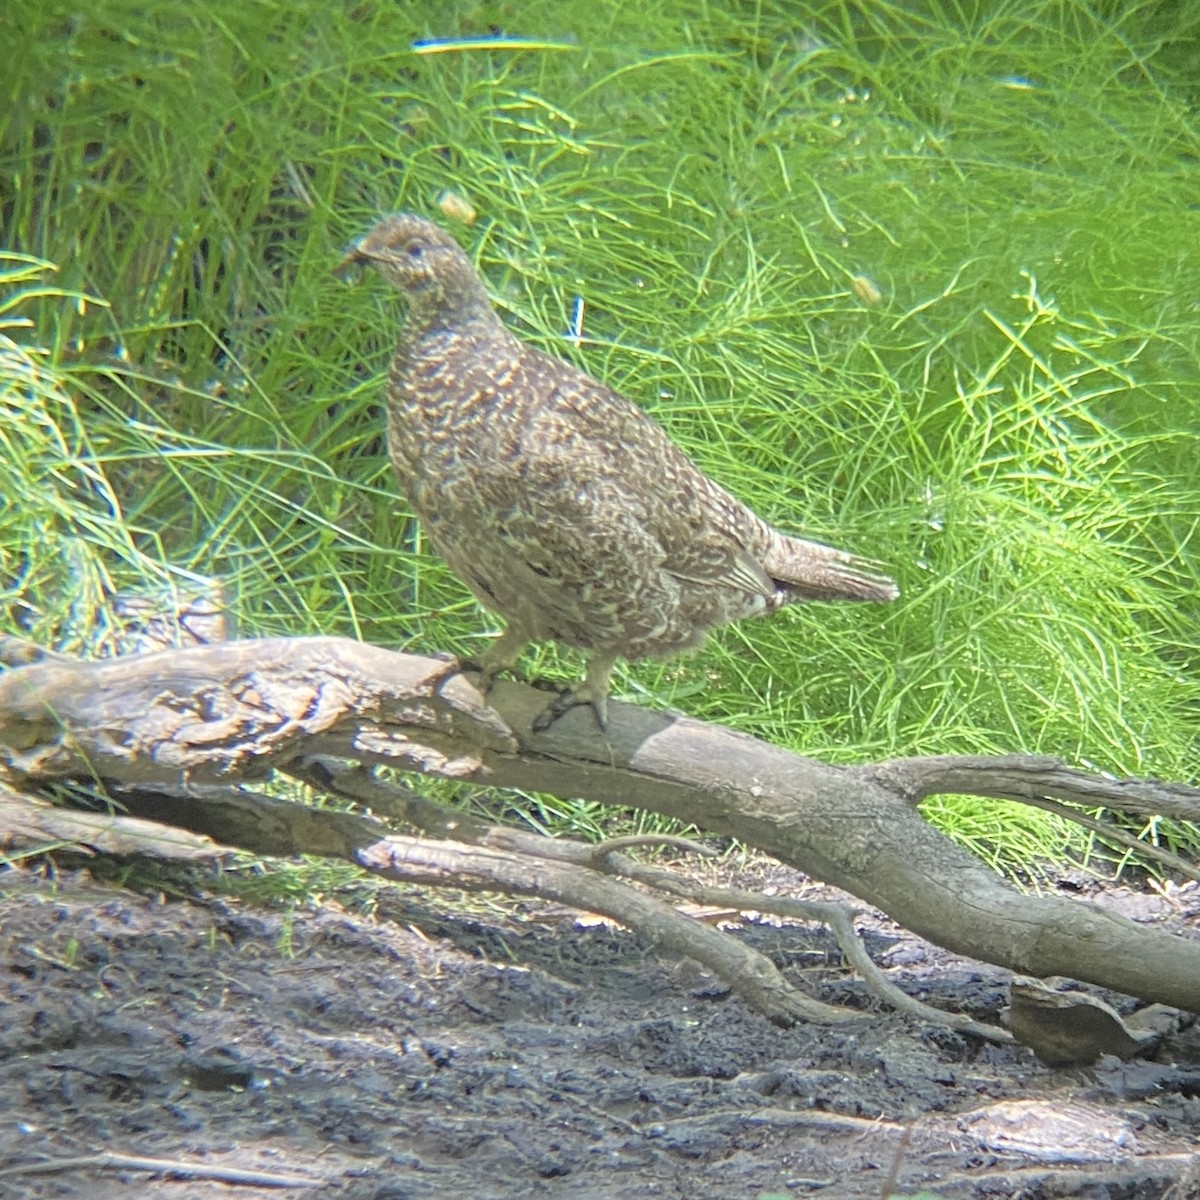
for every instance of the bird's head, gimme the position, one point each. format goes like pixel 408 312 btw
pixel 423 262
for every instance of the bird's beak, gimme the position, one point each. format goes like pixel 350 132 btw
pixel 351 266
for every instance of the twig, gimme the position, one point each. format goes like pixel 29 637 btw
pixel 610 846
pixel 268 825
pixel 1114 833
pixel 165 1166
pixel 789 1118
pixel 889 1184
pixel 478 868
pixel 838 918
pixel 1019 777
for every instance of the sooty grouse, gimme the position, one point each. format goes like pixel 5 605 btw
pixel 559 503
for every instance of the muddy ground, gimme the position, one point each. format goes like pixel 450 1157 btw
pixel 518 1052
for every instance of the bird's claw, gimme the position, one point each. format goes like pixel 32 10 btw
pixel 564 702
pixel 549 685
pixel 470 666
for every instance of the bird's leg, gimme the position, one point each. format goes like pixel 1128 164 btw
pixel 593 691
pixel 501 655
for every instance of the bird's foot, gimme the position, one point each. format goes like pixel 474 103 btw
pixel 469 666
pixel 564 702
pixel 549 685
pixel 593 692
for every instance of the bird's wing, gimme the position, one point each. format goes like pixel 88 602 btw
pixel 600 457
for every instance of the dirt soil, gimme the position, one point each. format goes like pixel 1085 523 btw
pixel 517 1052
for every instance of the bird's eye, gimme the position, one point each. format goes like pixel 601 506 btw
pixel 414 250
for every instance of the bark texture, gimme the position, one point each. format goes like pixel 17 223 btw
pixel 193 726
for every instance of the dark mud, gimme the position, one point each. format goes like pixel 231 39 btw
pixel 519 1054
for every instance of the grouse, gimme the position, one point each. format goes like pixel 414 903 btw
pixel 562 505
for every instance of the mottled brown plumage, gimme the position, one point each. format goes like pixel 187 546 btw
pixel 559 503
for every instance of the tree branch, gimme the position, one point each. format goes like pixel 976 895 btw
pixel 530 866
pixel 1023 778
pixel 223 714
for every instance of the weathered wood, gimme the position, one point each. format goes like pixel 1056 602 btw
pixel 31 826
pixel 229 713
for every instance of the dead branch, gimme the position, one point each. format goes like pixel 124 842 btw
pixel 34 826
pixel 399 801
pixel 170 1168
pixel 1033 781
pixel 1022 777
pixel 553 869
pixel 213 717
pixel 753 975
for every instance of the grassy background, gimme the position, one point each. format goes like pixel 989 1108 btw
pixel 920 279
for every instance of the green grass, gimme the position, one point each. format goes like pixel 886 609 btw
pixel 1011 427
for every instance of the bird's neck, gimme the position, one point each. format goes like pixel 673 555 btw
pixel 439 335
pixel 461 307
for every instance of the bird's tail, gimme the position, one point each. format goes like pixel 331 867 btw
pixel 806 570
